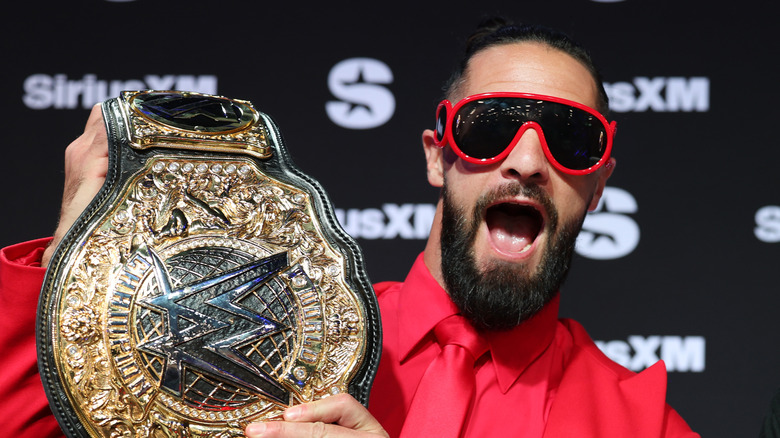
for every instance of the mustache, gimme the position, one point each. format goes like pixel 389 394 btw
pixel 513 189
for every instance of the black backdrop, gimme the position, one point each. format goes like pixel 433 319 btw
pixel 679 263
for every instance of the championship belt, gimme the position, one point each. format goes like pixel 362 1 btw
pixel 207 285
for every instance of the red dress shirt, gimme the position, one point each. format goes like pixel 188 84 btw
pixel 545 378
pixel 24 409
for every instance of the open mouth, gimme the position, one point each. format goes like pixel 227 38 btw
pixel 513 227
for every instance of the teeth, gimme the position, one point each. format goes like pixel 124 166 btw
pixel 527 247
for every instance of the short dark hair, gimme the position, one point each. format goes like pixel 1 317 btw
pixel 497 31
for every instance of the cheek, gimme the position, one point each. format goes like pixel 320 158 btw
pixel 575 198
pixel 462 193
pixel 465 188
pixel 468 177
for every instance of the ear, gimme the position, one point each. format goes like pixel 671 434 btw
pixel 603 175
pixel 433 157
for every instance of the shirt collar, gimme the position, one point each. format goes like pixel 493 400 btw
pixel 423 303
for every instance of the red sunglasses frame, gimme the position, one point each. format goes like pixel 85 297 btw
pixel 609 127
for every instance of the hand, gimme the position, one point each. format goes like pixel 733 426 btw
pixel 339 415
pixel 86 165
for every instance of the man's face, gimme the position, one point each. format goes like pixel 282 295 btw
pixel 502 294
pixel 518 217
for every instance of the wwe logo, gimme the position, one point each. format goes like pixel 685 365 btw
pixel 206 325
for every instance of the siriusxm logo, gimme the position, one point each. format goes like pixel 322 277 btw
pixel 680 354
pixel 673 94
pixel 364 102
pixel 405 221
pixel 608 233
pixel 42 91
pixel 768 224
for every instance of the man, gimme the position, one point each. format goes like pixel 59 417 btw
pixel 771 425
pixel 518 170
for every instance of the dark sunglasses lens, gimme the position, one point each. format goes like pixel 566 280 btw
pixel 576 138
pixel 441 122
pixel 484 128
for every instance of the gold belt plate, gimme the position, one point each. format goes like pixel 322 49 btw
pixel 201 291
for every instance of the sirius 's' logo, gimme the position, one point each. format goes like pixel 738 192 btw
pixel 364 103
pixel 608 232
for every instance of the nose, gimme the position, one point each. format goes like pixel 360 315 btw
pixel 526 159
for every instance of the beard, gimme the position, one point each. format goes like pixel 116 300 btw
pixel 501 295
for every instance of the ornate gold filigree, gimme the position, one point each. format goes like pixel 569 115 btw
pixel 145 132
pixel 175 204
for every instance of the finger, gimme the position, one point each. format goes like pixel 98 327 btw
pixel 341 409
pixel 86 166
pixel 96 128
pixel 284 429
pixel 91 145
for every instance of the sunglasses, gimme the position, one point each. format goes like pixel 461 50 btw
pixel 483 128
